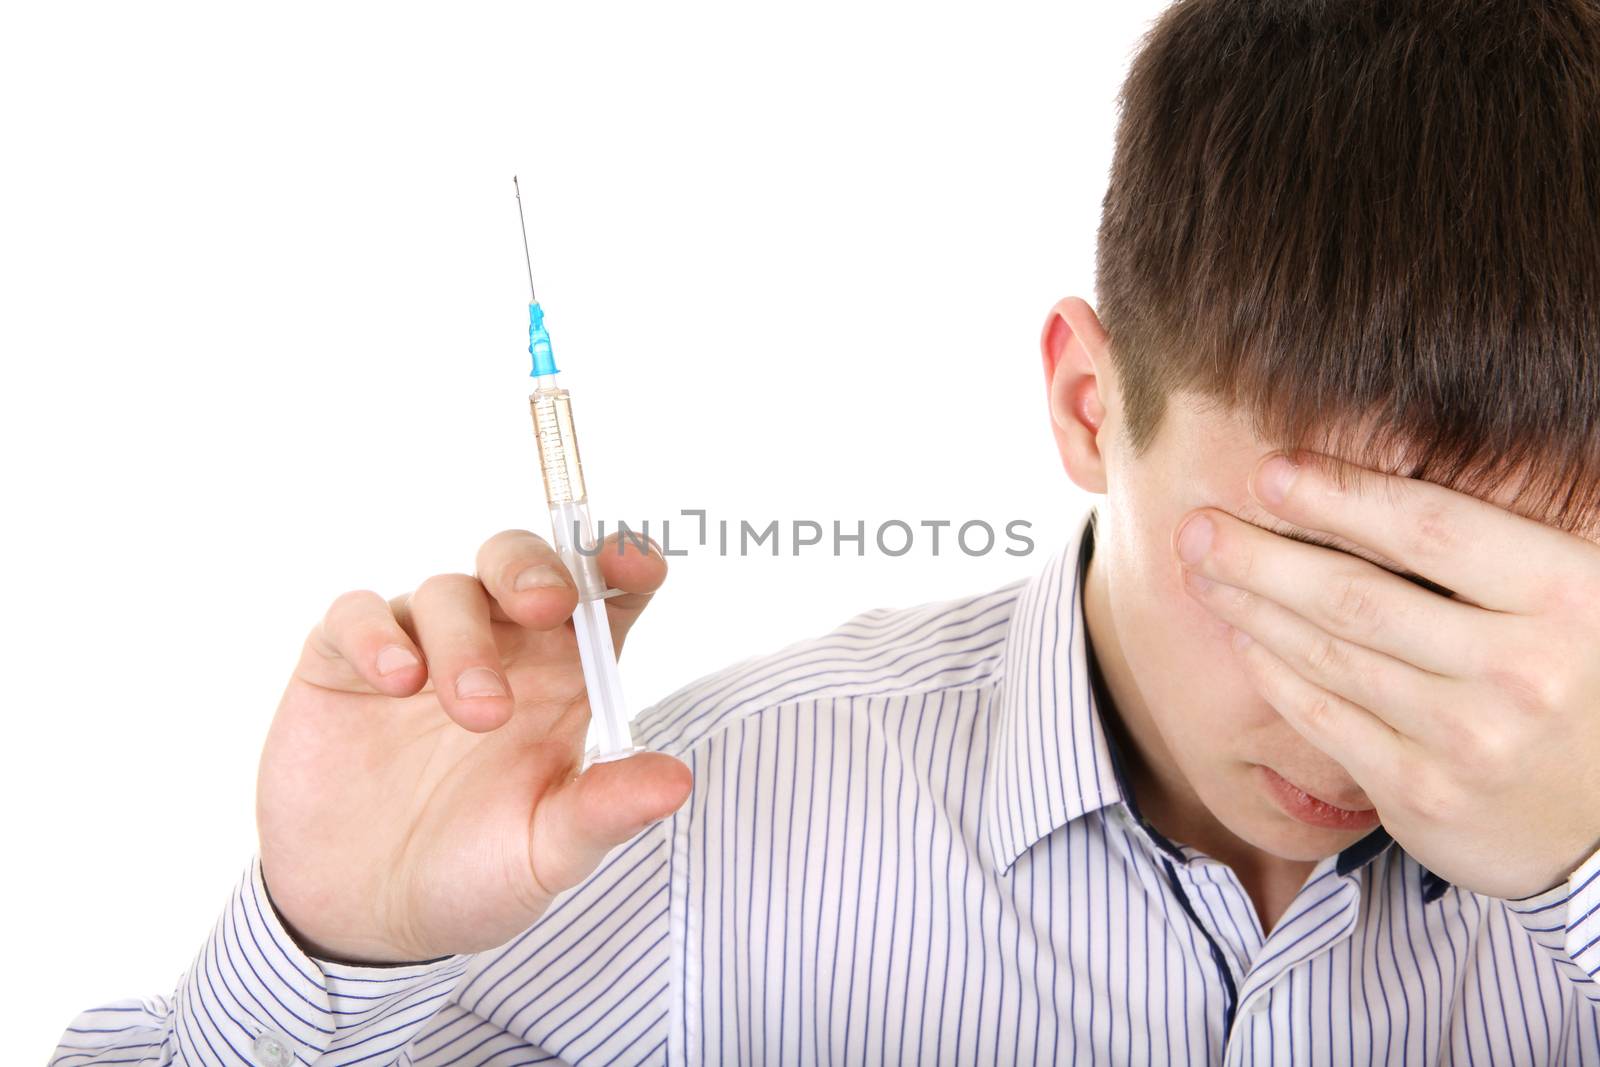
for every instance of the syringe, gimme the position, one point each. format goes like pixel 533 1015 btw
pixel 569 520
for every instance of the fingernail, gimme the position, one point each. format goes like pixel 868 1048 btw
pixel 479 682
pixel 1275 478
pixel 396 658
pixel 539 576
pixel 1197 582
pixel 1194 540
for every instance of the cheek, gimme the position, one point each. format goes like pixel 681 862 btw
pixel 1202 656
pixel 1189 649
pixel 1198 626
pixel 1209 631
pixel 1185 620
pixel 1188 631
pixel 1189 663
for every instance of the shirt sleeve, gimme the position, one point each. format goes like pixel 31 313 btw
pixel 252 998
pixel 590 982
pixel 1565 921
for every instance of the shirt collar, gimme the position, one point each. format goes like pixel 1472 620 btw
pixel 1049 760
pixel 1052 760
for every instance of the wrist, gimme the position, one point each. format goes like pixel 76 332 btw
pixel 328 954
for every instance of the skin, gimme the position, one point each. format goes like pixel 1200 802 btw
pixel 401 820
pixel 1464 712
pixel 419 792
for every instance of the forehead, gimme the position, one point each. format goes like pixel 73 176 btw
pixel 1213 452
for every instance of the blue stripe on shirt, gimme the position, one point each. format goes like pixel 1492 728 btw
pixel 911 840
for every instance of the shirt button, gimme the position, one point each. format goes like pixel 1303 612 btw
pixel 1260 1005
pixel 273 1051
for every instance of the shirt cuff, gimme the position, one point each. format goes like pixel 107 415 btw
pixel 1566 920
pixel 254 997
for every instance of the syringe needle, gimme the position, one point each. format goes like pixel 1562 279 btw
pixel 526 255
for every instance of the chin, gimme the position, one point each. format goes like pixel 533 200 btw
pixel 1305 844
pixel 1276 833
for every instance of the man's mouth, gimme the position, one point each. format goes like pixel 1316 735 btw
pixel 1335 798
pixel 1310 808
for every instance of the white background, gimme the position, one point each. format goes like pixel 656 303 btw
pixel 263 317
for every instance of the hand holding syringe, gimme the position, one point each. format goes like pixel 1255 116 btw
pixel 419 792
pixel 574 532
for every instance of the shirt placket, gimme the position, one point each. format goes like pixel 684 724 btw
pixel 1251 969
pixel 1322 916
pixel 1200 885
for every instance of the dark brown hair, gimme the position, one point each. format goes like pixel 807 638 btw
pixel 1372 227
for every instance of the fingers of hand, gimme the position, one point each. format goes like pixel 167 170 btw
pixel 359 645
pixel 1407 698
pixel 450 614
pixel 1453 539
pixel 1365 745
pixel 576 824
pixel 526 580
pixel 531 586
pixel 1346 596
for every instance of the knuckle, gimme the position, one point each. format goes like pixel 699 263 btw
pixel 437 585
pixel 1584 598
pixel 500 563
pixel 1534 685
pixel 627 538
pixel 1352 605
pixel 1243 563
pixel 1479 749
pixel 514 542
pixel 1431 535
pixel 1326 655
pixel 320 641
pixel 1237 604
pixel 1430 795
pixel 353 600
pixel 1317 715
pixel 1576 599
pixel 1548 692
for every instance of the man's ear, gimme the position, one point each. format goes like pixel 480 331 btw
pixel 1077 369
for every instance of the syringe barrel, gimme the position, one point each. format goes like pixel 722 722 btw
pixel 570 522
pixel 558 445
pixel 574 540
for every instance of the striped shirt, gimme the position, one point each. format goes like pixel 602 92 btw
pixel 911 841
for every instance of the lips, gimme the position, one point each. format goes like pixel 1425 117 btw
pixel 1308 808
pixel 1332 798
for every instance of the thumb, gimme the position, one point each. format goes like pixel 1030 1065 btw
pixel 576 825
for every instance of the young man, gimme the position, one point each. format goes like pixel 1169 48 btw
pixel 1112 814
